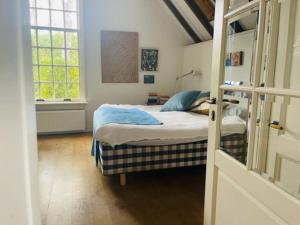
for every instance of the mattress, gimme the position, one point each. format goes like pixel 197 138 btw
pixel 132 158
pixel 178 127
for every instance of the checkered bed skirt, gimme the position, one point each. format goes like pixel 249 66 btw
pixel 132 158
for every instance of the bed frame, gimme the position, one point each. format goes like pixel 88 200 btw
pixel 123 159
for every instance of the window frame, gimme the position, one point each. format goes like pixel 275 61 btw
pixel 79 49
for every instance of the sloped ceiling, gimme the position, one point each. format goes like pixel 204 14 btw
pixel 197 18
pixel 197 15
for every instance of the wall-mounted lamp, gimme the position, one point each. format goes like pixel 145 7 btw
pixel 194 73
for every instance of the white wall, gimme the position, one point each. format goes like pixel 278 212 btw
pixel 197 57
pixel 18 151
pixel 156 30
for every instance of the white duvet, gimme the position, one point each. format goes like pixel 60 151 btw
pixel 178 127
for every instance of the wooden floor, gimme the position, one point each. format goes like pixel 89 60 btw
pixel 74 192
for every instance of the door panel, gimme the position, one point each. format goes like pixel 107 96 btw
pixel 243 208
pixel 282 153
pixel 281 203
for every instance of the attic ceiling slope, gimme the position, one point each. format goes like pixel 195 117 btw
pixel 197 17
pixel 182 21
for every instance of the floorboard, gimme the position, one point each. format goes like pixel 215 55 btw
pixel 74 192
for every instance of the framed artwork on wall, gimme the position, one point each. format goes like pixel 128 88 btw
pixel 237 58
pixel 234 58
pixel 119 57
pixel 149 59
pixel 149 79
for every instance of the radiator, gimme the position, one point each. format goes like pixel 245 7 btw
pixel 60 121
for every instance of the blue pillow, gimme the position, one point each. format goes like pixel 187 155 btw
pixel 203 94
pixel 181 101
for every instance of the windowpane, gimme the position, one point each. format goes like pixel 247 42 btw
pixel 58 40
pixel 72 40
pixel 42 3
pixel 33 37
pixel 35 71
pixel 70 5
pixel 34 56
pixel 236 107
pixel 36 90
pixel 59 74
pixel 33 17
pixel 56 4
pixel 235 4
pixel 43 18
pixel 45 56
pixel 60 90
pixel 32 3
pixel 59 57
pixel 73 90
pixel 240 50
pixel 57 19
pixel 72 57
pixel 44 39
pixel 71 20
pixel 73 74
pixel 55 54
pixel 46 91
pixel 45 74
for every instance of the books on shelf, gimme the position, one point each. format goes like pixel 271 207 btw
pixel 152 99
pixel 156 99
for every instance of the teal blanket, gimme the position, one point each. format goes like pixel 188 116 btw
pixel 107 115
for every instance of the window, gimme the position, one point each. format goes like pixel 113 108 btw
pixel 55 49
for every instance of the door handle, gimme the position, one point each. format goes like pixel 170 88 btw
pixel 275 125
pixel 232 101
pixel 212 101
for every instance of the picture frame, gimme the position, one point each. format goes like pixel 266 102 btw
pixel 237 58
pixel 119 56
pixel 149 79
pixel 149 59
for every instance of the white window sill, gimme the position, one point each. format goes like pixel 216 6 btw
pixel 48 105
pixel 37 103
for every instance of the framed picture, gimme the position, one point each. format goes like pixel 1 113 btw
pixel 149 59
pixel 148 79
pixel 237 58
pixel 119 57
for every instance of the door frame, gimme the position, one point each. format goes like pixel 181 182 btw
pixel 258 188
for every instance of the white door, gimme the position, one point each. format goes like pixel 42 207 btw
pixel 256 62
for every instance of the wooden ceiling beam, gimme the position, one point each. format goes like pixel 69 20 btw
pixel 182 21
pixel 236 26
pixel 207 7
pixel 200 15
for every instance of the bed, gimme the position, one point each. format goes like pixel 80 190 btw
pixel 180 141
